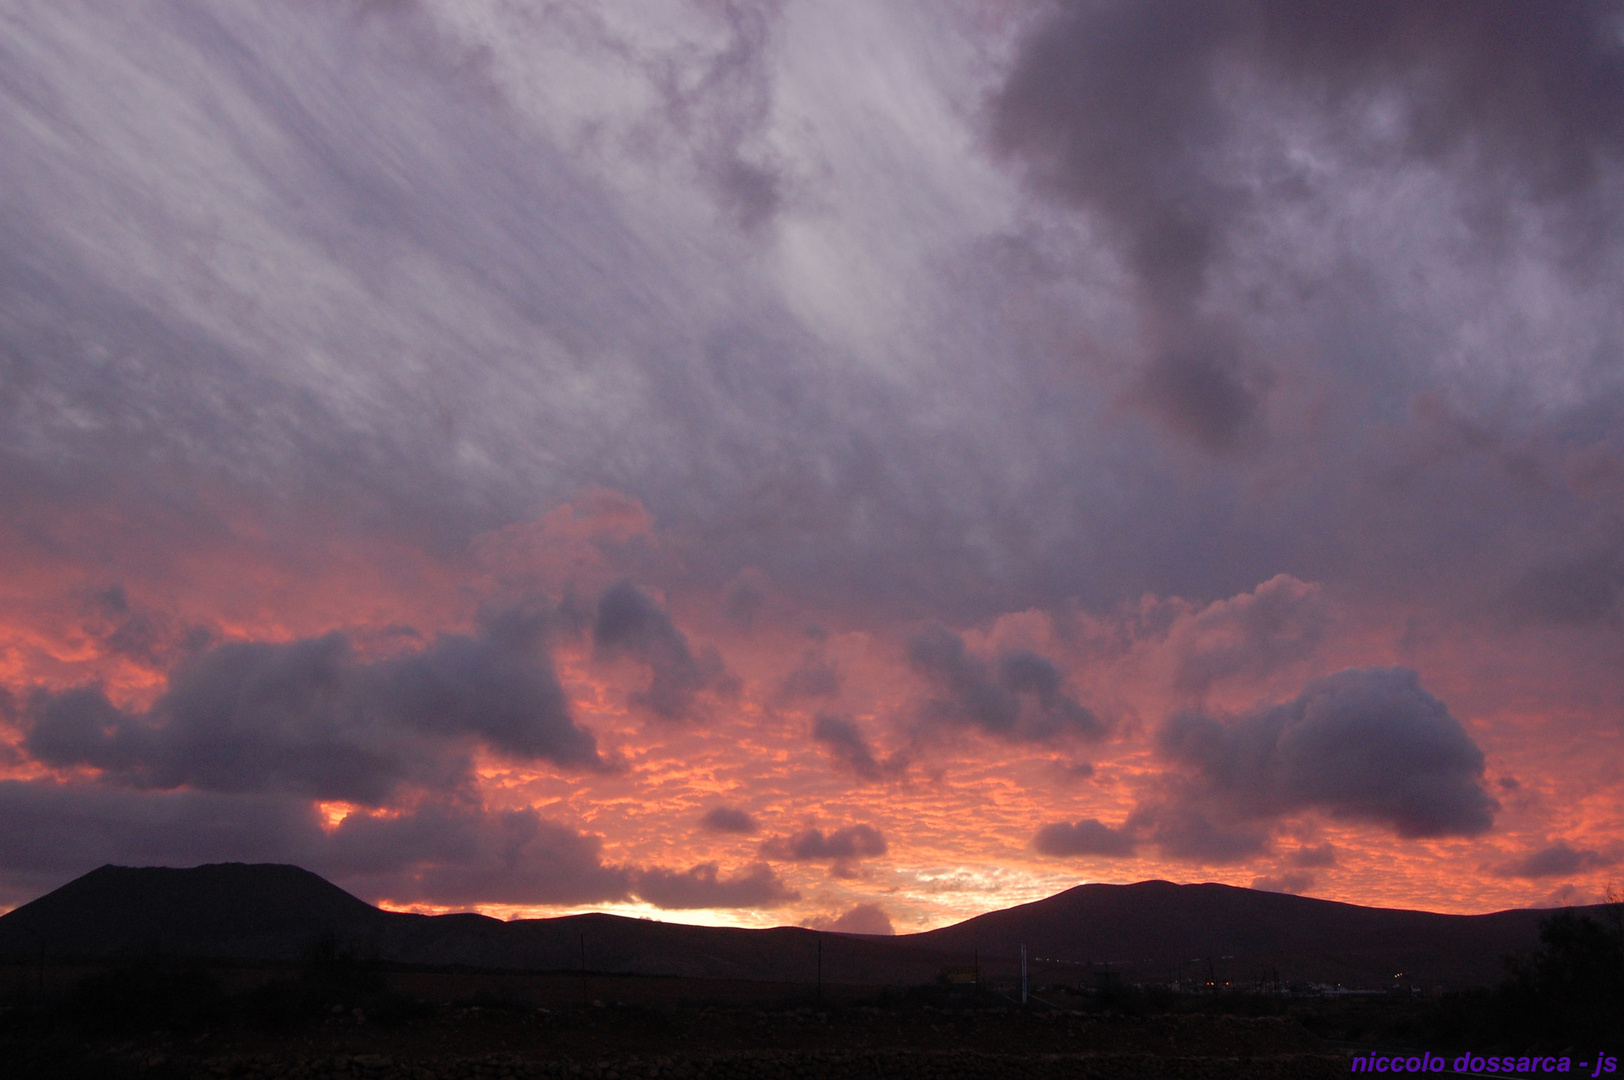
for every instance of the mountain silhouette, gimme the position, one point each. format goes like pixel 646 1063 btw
pixel 1153 930
pixel 225 909
pixel 1160 930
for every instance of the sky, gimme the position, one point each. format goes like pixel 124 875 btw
pixel 854 464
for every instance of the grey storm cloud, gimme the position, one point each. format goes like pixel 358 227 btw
pixel 1177 829
pixel 1572 589
pixel 361 259
pixel 439 852
pixel 630 624
pixel 846 744
pixel 314 718
pixel 1280 621
pixel 1320 855
pixel 278 281
pixel 701 887
pixel 816 676
pixel 1090 836
pixel 460 855
pixel 1556 860
pixel 1020 699
pixel 841 846
pixel 1366 744
pixel 728 819
pixel 1199 832
pixel 859 919
pixel 1128 109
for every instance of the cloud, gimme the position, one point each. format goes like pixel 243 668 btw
pixel 1281 621
pixel 446 852
pixel 313 718
pixel 1071 771
pixel 1572 590
pixel 847 745
pixel 1022 701
pixel 744 598
pixel 860 919
pixel 701 887
pixel 1307 858
pixel 1129 110
pixel 55 831
pixel 630 624
pixel 1364 744
pixel 727 819
pixel 814 677
pixel 454 855
pixel 1292 881
pixel 1198 833
pixel 841 847
pixel 1555 860
pixel 1089 836
pixel 436 853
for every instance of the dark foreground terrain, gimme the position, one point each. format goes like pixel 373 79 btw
pixel 182 1023
pixel 270 972
pixel 334 1016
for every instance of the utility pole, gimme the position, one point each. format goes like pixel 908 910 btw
pixel 1023 974
pixel 585 994
pixel 819 936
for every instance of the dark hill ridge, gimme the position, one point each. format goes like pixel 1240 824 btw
pixel 225 909
pixel 1158 929
pixel 1151 930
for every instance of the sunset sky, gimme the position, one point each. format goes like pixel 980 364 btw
pixel 847 463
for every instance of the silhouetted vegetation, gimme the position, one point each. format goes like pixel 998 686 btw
pixel 1573 988
pixel 1570 991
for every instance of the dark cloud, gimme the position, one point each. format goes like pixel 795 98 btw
pixel 1295 882
pixel 312 717
pixel 1556 860
pixel 54 832
pixel 1200 388
pixel 860 919
pixel 721 104
pixel 138 632
pixel 1127 109
pixel 445 853
pixel 744 598
pixel 629 624
pixel 701 887
pixel 814 677
pixel 1072 771
pixel 456 855
pixel 1574 590
pixel 1367 745
pixel 436 853
pixel 1255 633
pixel 727 819
pixel 1308 858
pixel 1201 834
pixel 841 846
pixel 1089 836
pixel 1023 700
pixel 846 745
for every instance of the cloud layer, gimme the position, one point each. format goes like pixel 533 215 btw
pixel 745 457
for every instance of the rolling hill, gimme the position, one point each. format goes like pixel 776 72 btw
pixel 1153 930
